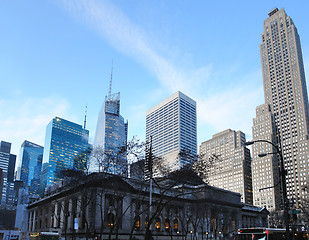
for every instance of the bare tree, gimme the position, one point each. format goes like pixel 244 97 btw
pixel 74 207
pixel 110 161
pixel 109 196
pixel 114 162
pixel 304 205
pixel 135 150
pixel 61 216
pixel 198 218
pixel 275 219
pixel 82 161
pixel 204 165
pixel 165 181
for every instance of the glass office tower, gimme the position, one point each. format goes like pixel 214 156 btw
pixel 31 156
pixel 111 135
pixel 64 141
pixel 7 165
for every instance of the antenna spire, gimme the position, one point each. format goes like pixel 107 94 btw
pixel 110 83
pixel 85 117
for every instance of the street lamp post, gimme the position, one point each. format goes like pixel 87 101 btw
pixel 283 181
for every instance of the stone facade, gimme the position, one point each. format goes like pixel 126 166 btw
pixel 99 205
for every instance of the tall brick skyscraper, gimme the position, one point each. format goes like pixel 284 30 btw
pixel 283 119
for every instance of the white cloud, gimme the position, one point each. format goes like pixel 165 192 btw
pixel 232 108
pixel 26 119
pixel 131 40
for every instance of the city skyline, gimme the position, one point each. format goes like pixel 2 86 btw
pixel 65 48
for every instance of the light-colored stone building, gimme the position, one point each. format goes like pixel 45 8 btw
pixel 283 119
pixel 232 169
pixel 265 170
pixel 101 204
pixel 171 126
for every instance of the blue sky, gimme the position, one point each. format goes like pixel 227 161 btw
pixel 55 58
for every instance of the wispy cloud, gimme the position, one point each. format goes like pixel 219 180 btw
pixel 233 109
pixel 131 40
pixel 22 118
pixel 227 109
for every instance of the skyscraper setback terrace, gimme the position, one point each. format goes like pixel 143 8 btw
pixel 283 119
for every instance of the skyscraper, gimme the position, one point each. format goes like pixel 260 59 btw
pixel 64 141
pixel 283 119
pixel 232 171
pixel 29 172
pixel 172 126
pixel 111 135
pixel 7 164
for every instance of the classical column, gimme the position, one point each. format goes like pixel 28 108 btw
pixel 56 217
pixel 30 219
pixel 61 219
pixel 100 200
pixel 126 223
pixel 34 219
pixel 70 216
pixel 79 212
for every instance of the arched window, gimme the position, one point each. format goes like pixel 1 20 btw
pixel 110 220
pixel 146 222
pixel 158 224
pixel 137 225
pixel 176 225
pixel 167 224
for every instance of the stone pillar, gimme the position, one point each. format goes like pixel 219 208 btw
pixel 34 220
pixel 88 209
pixel 208 223
pixel 30 219
pixel 100 202
pixel 62 215
pixel 79 212
pixel 239 220
pixel 70 216
pixel 127 218
pixel 56 217
pixel 227 221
